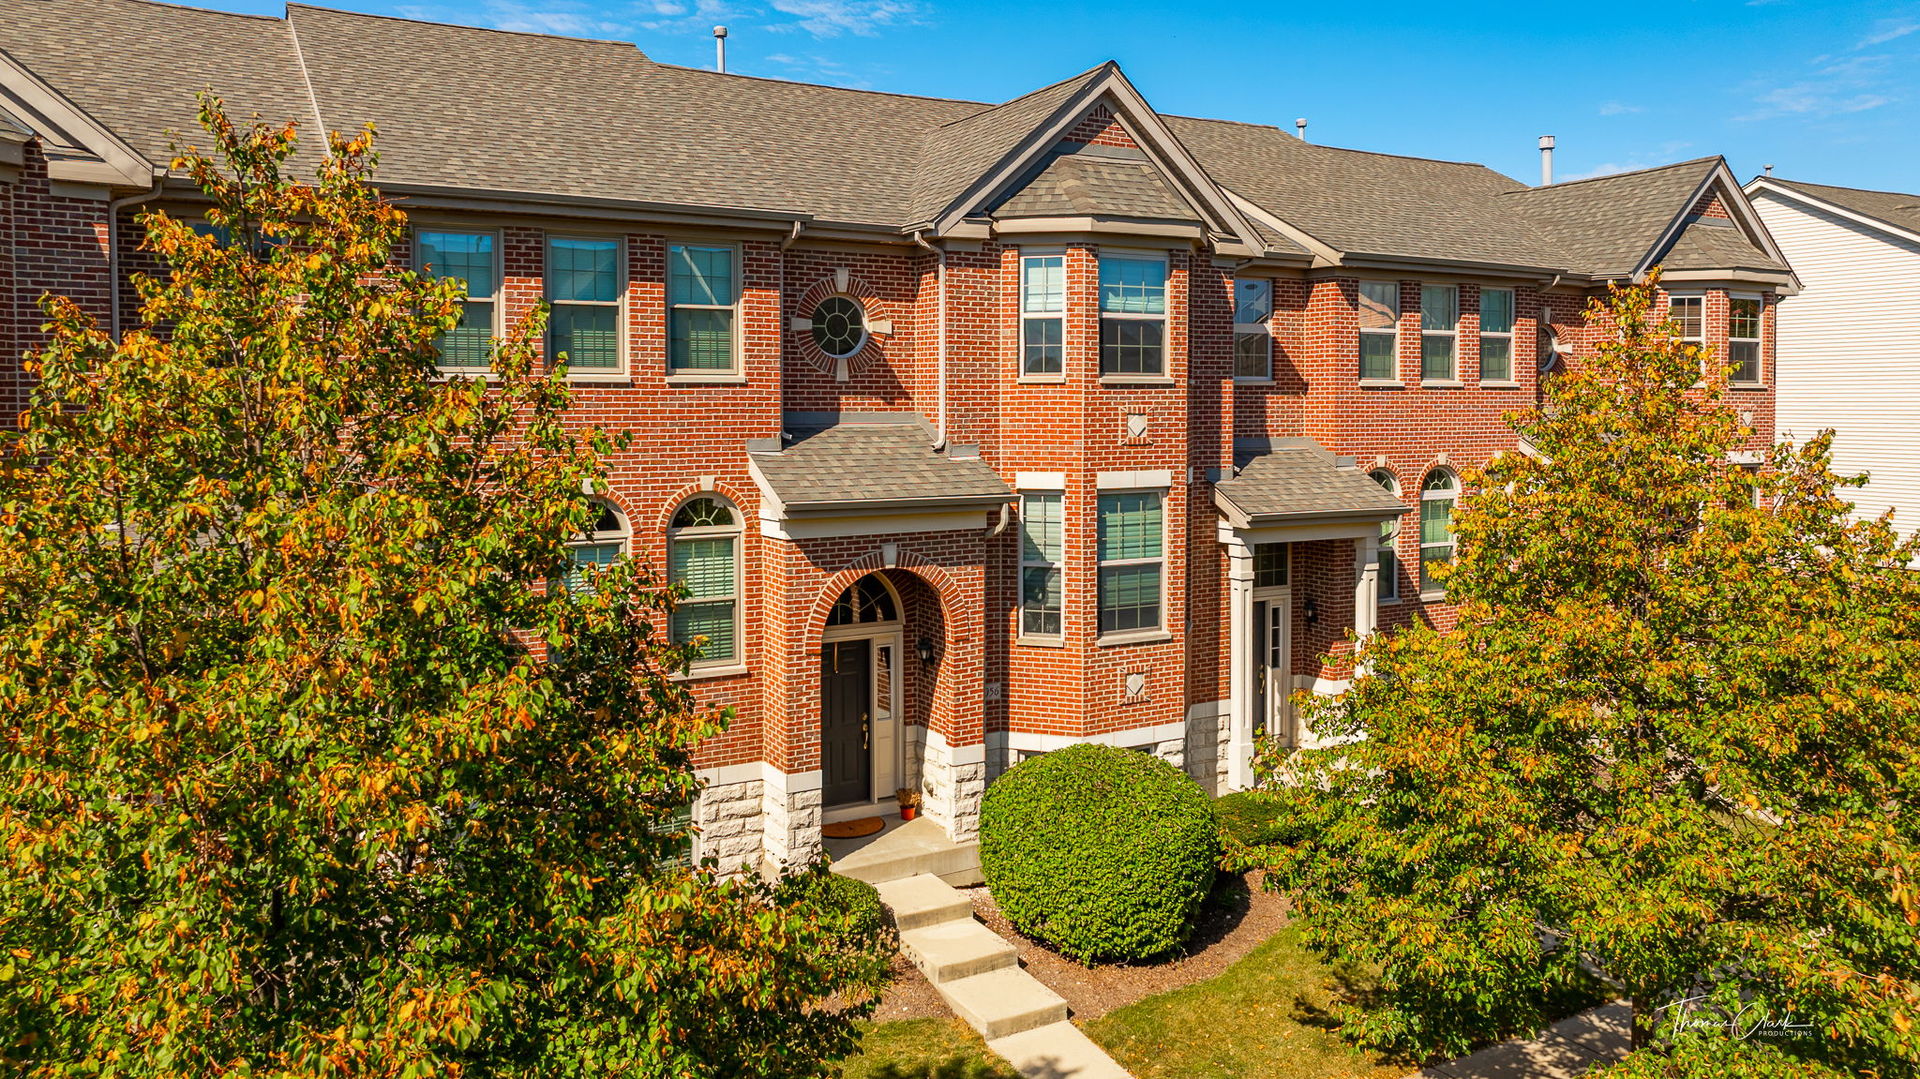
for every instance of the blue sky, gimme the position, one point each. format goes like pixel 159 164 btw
pixel 1827 92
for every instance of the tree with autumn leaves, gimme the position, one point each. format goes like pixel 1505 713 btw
pixel 1673 741
pixel 306 769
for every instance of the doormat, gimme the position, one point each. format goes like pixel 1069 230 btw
pixel 852 829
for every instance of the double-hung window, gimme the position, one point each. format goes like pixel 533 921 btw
pixel 1130 545
pixel 1439 340
pixel 1389 556
pixel 472 259
pixel 1496 335
pixel 583 287
pixel 1436 528
pixel 703 555
pixel 1743 338
pixel 1040 556
pixel 703 292
pixel 1689 317
pixel 1252 328
pixel 597 549
pixel 1133 315
pixel 1379 330
pixel 1043 320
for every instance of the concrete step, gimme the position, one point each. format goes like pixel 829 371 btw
pixel 1054 1050
pixel 1003 1002
pixel 923 900
pixel 907 850
pixel 950 951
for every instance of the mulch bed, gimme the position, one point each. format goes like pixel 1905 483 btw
pixel 1239 916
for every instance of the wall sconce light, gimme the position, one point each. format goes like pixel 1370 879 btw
pixel 925 647
pixel 1311 611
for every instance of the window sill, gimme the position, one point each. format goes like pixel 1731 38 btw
pixel 1253 380
pixel 1134 636
pixel 1389 601
pixel 1136 380
pixel 730 670
pixel 706 380
pixel 444 373
pixel 1382 384
pixel 1433 597
pixel 603 378
pixel 1749 386
pixel 1441 384
pixel 1499 384
pixel 1040 642
pixel 1042 380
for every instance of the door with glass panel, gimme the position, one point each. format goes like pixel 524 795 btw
pixel 1273 640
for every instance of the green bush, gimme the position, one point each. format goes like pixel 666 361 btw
pixel 1252 818
pixel 1103 853
pixel 851 907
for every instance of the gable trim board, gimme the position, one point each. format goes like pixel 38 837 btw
pixel 1720 180
pixel 86 151
pixel 1794 194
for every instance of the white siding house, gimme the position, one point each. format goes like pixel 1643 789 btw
pixel 1849 343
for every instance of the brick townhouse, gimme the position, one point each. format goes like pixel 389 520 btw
pixel 975 430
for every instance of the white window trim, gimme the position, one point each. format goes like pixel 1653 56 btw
pixel 1759 380
pixel 737 532
pixel 1393 333
pixel 1140 633
pixel 1480 321
pixel 1060 316
pixel 691 376
pixel 619 305
pixel 624 538
pixel 1060 567
pixel 1264 330
pixel 499 284
pixel 1452 377
pixel 1452 496
pixel 1388 543
pixel 1699 342
pixel 1164 318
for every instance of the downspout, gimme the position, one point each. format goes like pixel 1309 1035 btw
pixel 794 235
pixel 1006 517
pixel 919 237
pixel 114 206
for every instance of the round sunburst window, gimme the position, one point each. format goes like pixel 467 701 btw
pixel 839 326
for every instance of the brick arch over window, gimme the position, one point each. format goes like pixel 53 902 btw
pixel 878 313
pixel 742 501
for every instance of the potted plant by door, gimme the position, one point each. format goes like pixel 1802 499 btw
pixel 909 800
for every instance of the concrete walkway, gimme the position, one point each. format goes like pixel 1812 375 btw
pixel 978 974
pixel 1567 1048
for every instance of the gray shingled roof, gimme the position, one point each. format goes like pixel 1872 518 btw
pixel 1093 183
pixel 555 116
pixel 1297 479
pixel 875 464
pixel 1366 203
pixel 1893 207
pixel 1713 243
pixel 1606 225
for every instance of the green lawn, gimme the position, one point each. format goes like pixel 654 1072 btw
pixel 924 1049
pixel 1262 1018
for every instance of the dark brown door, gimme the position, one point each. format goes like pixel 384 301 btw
pixel 846 722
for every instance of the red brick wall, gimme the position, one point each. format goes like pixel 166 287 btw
pixel 1099 127
pixel 59 245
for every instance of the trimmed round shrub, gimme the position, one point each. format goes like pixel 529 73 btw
pixel 850 908
pixel 1103 853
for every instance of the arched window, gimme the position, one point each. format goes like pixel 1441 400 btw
pixel 703 554
pixel 1436 527
pixel 604 545
pixel 1389 538
pixel 865 600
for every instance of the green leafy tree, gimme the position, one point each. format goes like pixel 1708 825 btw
pixel 307 770
pixel 1672 740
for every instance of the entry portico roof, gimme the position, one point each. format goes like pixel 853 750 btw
pixel 870 462
pixel 1295 480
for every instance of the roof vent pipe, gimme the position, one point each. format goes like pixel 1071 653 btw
pixel 1769 169
pixel 720 49
pixel 1300 125
pixel 1546 160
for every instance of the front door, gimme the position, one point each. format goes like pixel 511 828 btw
pixel 1273 666
pixel 846 722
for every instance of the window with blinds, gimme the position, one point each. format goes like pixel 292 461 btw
pixel 1379 309
pixel 1040 557
pixel 1133 315
pixel 1043 305
pixel 1436 528
pixel 703 557
pixel 1252 328
pixel 1439 324
pixel 583 289
pixel 472 259
pixel 702 304
pixel 1496 335
pixel 1130 548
